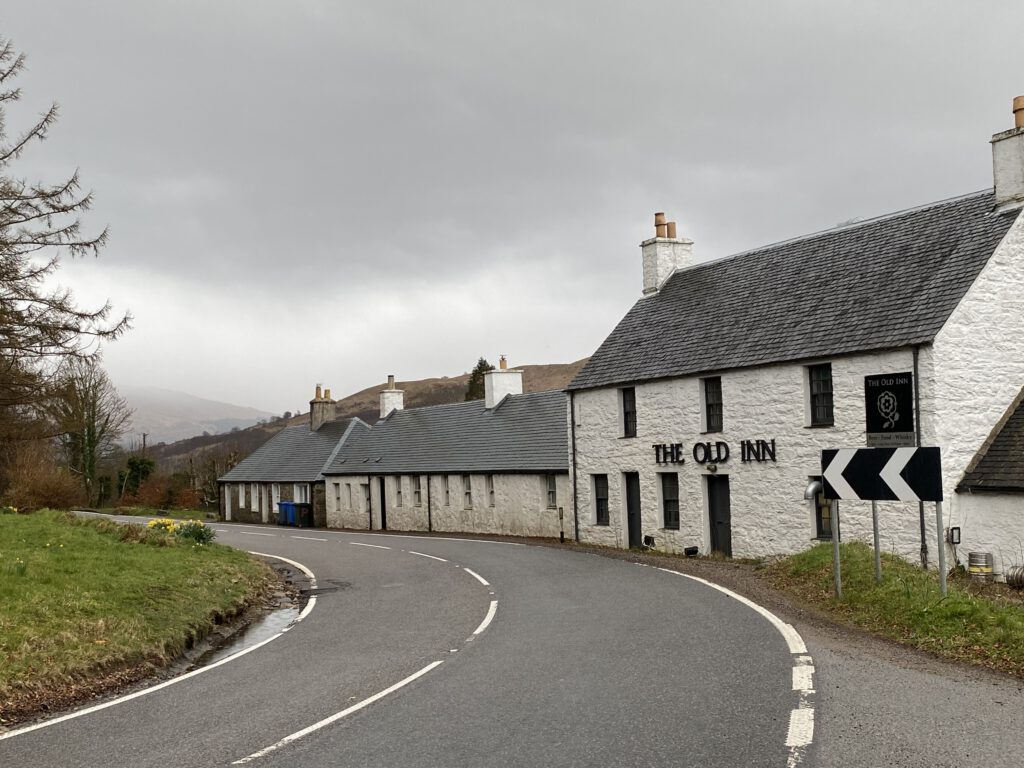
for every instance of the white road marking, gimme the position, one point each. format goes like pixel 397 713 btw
pixel 477 576
pixel 423 554
pixel 803 678
pixel 254 533
pixel 337 716
pixel 360 544
pixel 801 728
pixel 308 538
pixel 790 635
pixel 487 619
pixel 180 678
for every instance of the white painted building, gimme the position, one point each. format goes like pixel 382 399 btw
pixel 700 420
pixel 497 465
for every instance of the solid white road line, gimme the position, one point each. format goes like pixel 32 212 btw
pixel 801 728
pixel 337 716
pixel 423 554
pixel 488 618
pixel 477 576
pixel 790 635
pixel 308 538
pixel 180 678
pixel 360 544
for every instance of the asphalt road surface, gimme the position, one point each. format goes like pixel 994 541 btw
pixel 559 659
pixel 433 652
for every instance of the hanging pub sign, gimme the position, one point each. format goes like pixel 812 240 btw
pixel 889 408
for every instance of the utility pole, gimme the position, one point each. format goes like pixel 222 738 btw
pixel 144 436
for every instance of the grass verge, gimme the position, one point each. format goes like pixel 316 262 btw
pixel 82 598
pixel 985 629
pixel 175 514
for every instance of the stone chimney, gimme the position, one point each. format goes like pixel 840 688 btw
pixel 663 254
pixel 321 409
pixel 391 399
pixel 501 382
pixel 1008 161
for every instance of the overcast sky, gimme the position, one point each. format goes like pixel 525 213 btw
pixel 311 191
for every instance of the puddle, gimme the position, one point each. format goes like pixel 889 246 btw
pixel 255 633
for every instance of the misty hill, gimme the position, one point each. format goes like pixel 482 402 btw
pixel 220 452
pixel 167 416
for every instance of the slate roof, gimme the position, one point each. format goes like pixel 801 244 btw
pixel 522 434
pixel 878 284
pixel 295 454
pixel 999 465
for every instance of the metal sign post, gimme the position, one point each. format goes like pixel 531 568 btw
pixel 878 551
pixel 836 566
pixel 939 530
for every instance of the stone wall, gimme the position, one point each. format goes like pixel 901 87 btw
pixel 520 504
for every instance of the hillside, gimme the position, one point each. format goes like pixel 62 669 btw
pixel 166 415
pixel 209 456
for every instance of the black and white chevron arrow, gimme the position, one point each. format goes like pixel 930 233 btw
pixel 882 474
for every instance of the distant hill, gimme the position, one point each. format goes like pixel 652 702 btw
pixel 221 451
pixel 167 416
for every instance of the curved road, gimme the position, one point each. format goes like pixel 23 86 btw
pixel 511 655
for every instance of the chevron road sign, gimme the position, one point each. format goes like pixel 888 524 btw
pixel 882 474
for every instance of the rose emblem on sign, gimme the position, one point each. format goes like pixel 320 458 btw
pixel 887 407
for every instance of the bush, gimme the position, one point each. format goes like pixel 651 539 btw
pixel 36 482
pixel 196 531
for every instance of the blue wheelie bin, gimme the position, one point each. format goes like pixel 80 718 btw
pixel 286 513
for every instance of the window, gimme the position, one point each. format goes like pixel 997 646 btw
pixel 447 491
pixel 302 493
pixel 628 411
pixel 348 492
pixel 552 491
pixel 822 515
pixel 254 501
pixel 490 490
pixel 670 499
pixel 601 498
pixel 337 496
pixel 467 492
pixel 241 495
pixel 417 494
pixel 398 491
pixel 820 381
pixel 713 404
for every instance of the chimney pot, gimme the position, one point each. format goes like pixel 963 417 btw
pixel 660 229
pixel 503 363
pixel 671 230
pixel 327 394
pixel 1018 112
pixel 391 381
pixel 319 395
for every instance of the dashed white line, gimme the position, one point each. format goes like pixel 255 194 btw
pixel 253 533
pixel 360 544
pixel 801 728
pixel 309 538
pixel 337 716
pixel 477 576
pixel 180 678
pixel 424 554
pixel 803 678
pixel 487 619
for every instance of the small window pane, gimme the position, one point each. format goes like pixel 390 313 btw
pixel 670 499
pixel 713 404
pixel 628 412
pixel 601 498
pixel 552 491
pixel 820 377
pixel 467 492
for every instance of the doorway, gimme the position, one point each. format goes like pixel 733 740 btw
pixel 720 518
pixel 383 506
pixel 632 481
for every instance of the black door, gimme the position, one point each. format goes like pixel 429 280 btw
pixel 718 510
pixel 633 508
pixel 383 506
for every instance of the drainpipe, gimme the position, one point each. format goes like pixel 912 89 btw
pixel 917 430
pixel 575 495
pixel 430 522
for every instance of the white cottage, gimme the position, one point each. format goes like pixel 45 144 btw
pixel 700 420
pixel 497 465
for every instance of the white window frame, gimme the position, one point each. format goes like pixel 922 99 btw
pixel 467 491
pixel 349 486
pixel 417 491
pixel 241 496
pixel 398 490
pixel 490 490
pixel 447 491
pixel 551 491
pixel 300 493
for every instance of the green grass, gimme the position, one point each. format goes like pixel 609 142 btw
pixel 84 597
pixel 907 605
pixel 176 514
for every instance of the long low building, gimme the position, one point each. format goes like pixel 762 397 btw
pixel 498 465
pixel 701 419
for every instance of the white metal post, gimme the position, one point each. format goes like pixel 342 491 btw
pixel 878 552
pixel 836 570
pixel 940 535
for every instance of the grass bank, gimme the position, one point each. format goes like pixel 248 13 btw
pixel 978 624
pixel 174 514
pixel 81 599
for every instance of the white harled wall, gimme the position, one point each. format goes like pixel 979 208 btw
pixel 769 513
pixel 520 505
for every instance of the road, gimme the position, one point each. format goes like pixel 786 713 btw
pixel 433 652
pixel 581 661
